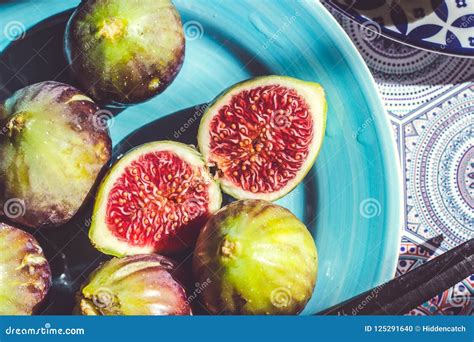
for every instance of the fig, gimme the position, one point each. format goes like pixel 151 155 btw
pixel 52 149
pixel 25 275
pixel 134 285
pixel 257 259
pixel 263 135
pixel 156 198
pixel 123 51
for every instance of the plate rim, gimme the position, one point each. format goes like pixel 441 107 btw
pixel 360 71
pixel 426 46
pixel 358 66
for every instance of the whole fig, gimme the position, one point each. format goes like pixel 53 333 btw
pixel 25 276
pixel 134 285
pixel 123 51
pixel 53 145
pixel 256 258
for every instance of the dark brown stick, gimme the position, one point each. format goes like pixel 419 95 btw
pixel 406 292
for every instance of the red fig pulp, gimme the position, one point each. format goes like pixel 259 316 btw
pixel 263 135
pixel 155 199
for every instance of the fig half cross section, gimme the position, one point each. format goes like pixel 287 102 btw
pixel 155 199
pixel 262 136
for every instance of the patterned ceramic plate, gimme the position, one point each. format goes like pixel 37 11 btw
pixel 429 98
pixel 445 26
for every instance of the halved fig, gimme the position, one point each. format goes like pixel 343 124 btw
pixel 25 275
pixel 263 135
pixel 155 199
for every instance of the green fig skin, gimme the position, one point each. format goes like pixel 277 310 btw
pixel 134 285
pixel 25 275
pixel 53 146
pixel 124 52
pixel 256 258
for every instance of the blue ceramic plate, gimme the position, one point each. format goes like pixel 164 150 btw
pixel 351 201
pixel 445 26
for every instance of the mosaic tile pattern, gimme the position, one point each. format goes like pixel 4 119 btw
pixel 430 100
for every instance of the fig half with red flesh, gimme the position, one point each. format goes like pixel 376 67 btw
pixel 263 135
pixel 155 199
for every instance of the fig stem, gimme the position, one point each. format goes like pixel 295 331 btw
pixel 228 248
pixel 16 124
pixel 112 29
pixel 88 307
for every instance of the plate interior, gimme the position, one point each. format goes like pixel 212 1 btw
pixel 350 201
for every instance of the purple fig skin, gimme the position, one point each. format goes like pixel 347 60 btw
pixel 53 145
pixel 25 275
pixel 134 285
pixel 124 52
